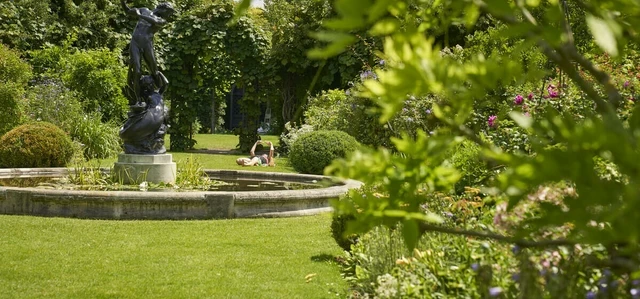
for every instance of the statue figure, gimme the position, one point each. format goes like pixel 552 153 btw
pixel 144 130
pixel 141 46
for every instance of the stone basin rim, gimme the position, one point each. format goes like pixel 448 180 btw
pixel 171 205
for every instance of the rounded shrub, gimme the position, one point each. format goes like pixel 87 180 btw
pixel 314 151
pixel 38 144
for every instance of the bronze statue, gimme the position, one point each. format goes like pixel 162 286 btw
pixel 141 46
pixel 144 130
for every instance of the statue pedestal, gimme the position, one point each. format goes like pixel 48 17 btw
pixel 135 169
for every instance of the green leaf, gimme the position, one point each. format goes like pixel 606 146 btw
pixel 330 36
pixel 604 34
pixel 410 233
pixel 379 9
pixel 344 24
pixel 521 119
pixel 472 13
pixel 499 7
pixel 339 42
pixel 385 27
pixel 351 9
pixel 241 10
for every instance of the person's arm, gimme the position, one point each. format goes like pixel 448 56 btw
pixel 253 149
pixel 127 9
pixel 164 83
pixel 152 19
pixel 270 151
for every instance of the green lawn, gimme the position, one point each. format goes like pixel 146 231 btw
pixel 217 161
pixel 211 161
pixel 240 258
pixel 224 141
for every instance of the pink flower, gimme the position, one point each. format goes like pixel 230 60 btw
pixel 551 89
pixel 518 100
pixel 530 96
pixel 527 114
pixel 626 84
pixel 492 121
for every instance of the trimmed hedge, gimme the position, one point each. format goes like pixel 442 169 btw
pixel 314 151
pixel 38 144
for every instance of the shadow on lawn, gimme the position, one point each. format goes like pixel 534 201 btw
pixel 320 258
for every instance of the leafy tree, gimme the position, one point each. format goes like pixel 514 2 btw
pixel 291 23
pixel 30 25
pixel 204 57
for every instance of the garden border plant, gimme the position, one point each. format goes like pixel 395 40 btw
pixel 564 147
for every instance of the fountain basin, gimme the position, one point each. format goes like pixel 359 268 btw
pixel 171 205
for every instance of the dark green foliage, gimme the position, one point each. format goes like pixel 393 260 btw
pixel 314 151
pixel 32 24
pixel 35 145
pixel 338 229
pixel 27 24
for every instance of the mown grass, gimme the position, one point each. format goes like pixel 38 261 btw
pixel 216 161
pixel 210 161
pixel 240 258
pixel 224 141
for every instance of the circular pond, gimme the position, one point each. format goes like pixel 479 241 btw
pixel 242 194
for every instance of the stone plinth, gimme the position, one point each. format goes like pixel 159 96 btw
pixel 135 169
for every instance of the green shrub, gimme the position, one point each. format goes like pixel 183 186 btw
pixel 14 75
pixel 36 145
pixel 338 229
pixel 314 151
pixel 359 117
pixel 52 102
pixel 96 76
pixel 11 103
pixel 13 68
pixel 466 158
pixel 290 135
pixel 329 110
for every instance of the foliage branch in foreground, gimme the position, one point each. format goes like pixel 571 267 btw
pixel 564 148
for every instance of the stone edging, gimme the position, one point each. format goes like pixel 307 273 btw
pixel 170 205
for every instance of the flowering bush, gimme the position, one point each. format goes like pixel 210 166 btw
pixel 291 134
pixel 459 266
